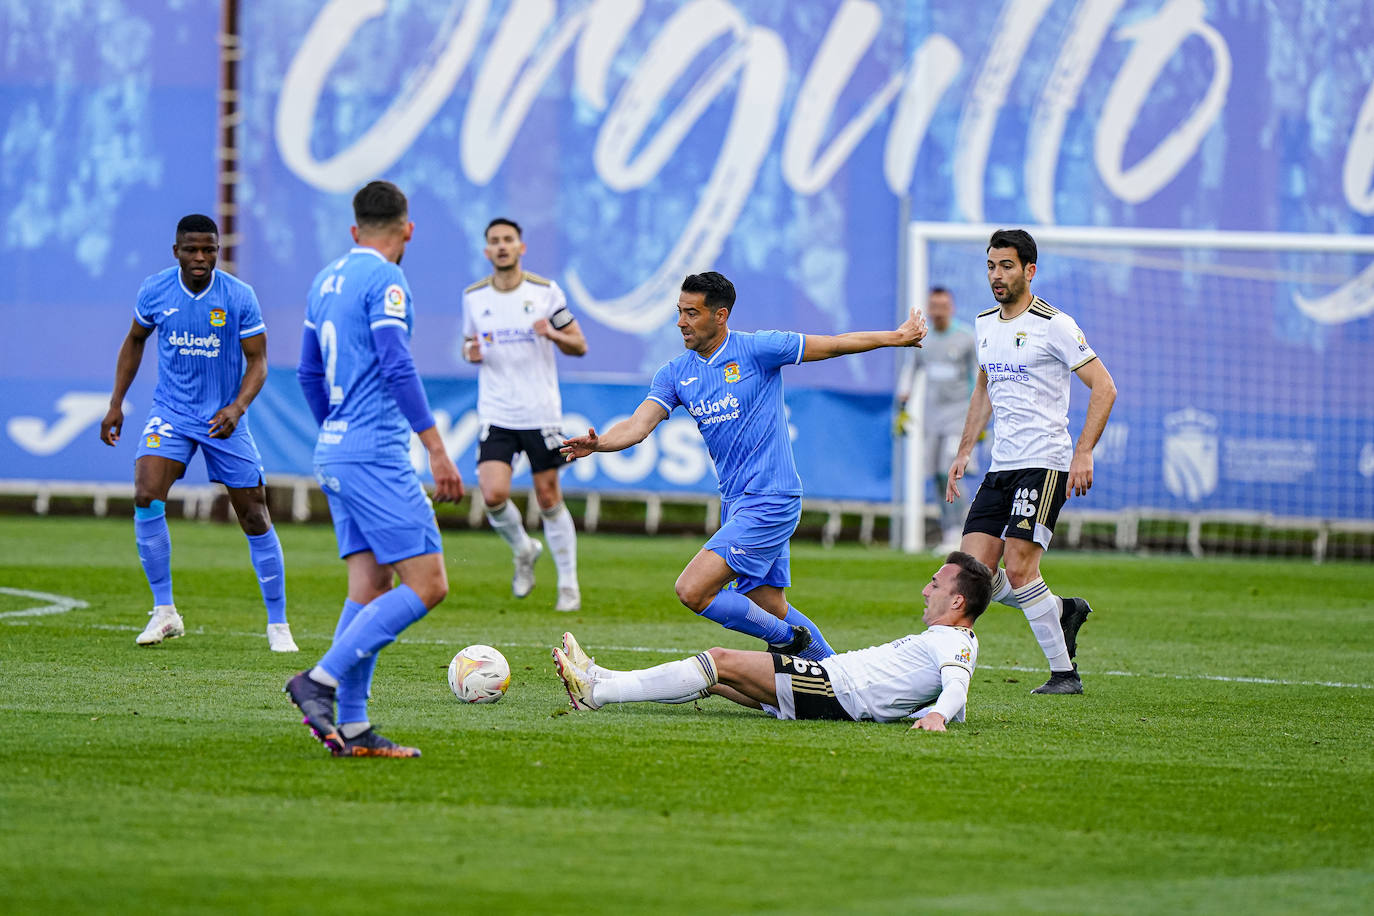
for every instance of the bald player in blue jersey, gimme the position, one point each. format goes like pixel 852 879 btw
pixel 358 376
pixel 731 384
pixel 211 363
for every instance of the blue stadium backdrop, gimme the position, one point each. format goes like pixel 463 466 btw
pixel 781 143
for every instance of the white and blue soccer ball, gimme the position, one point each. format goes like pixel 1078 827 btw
pixel 479 674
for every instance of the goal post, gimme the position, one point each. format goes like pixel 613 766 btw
pixel 1237 359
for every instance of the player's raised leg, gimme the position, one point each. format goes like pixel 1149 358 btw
pixel 153 478
pixel 494 478
pixel 561 534
pixel 1042 610
pixel 701 589
pixel 264 550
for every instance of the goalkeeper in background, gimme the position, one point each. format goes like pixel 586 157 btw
pixel 949 358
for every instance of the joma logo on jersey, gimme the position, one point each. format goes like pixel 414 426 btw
pixel 1024 502
pixel 217 318
pixel 732 372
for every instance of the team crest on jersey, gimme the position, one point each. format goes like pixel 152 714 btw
pixel 529 307
pixel 154 440
pixel 395 301
pixel 732 372
pixel 1020 339
pixel 963 655
pixel 217 318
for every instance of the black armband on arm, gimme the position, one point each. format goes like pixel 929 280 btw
pixel 561 318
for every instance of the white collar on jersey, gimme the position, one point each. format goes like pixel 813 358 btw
pixel 200 295
pixel 363 249
pixel 719 350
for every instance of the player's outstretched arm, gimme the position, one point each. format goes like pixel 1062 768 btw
pixel 909 333
pixel 954 682
pixel 1099 381
pixel 633 430
pixel 227 418
pixel 126 367
pixel 975 421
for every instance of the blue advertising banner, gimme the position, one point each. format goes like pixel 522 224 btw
pixel 784 144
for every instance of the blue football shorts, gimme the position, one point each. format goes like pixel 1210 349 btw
pixel 753 539
pixel 381 508
pixel 234 462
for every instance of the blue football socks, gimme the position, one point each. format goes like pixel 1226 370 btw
pixel 155 548
pixel 736 612
pixel 355 687
pixel 265 551
pixel 819 648
pixel 374 627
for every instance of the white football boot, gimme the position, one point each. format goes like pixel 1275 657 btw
pixel 279 638
pixel 165 623
pixel 522 583
pixel 569 599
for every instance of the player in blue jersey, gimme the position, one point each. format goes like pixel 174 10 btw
pixel 731 384
pixel 211 363
pixel 359 379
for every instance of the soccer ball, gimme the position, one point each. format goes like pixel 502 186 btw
pixel 479 674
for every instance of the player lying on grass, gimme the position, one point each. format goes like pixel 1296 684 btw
pixel 922 676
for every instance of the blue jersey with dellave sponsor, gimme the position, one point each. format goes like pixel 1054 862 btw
pixel 735 396
pixel 348 299
pixel 199 357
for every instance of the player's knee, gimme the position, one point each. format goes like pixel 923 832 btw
pixel 255 520
pixel 495 499
pixel 692 596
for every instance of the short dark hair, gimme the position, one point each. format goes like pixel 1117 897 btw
pixel 502 221
pixel 937 290
pixel 1019 239
pixel 197 222
pixel 974 582
pixel 378 204
pixel 720 292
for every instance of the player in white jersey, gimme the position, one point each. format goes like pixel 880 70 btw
pixel 1027 351
pixel 923 676
pixel 949 359
pixel 512 321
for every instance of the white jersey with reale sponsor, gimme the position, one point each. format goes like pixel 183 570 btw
pixel 893 681
pixel 517 384
pixel 1029 361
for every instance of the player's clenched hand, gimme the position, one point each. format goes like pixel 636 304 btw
pixel 225 421
pixel 930 722
pixel 111 425
pixel 448 483
pixel 1080 474
pixel 913 330
pixel 472 350
pixel 542 328
pixel 580 446
pixel 956 473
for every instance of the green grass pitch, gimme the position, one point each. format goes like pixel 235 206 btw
pixel 1219 762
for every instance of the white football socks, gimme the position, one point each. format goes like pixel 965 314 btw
pixel 505 519
pixel 678 680
pixel 1041 608
pixel 561 535
pixel 1002 591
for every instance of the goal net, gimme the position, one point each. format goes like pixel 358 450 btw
pixel 1244 418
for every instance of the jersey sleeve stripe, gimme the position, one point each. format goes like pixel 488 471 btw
pixel 1082 364
pixel 256 329
pixel 961 667
pixel 385 322
pixel 660 402
pixel 141 320
pixel 801 349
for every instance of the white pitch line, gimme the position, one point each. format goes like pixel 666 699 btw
pixel 55 604
pixel 672 650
